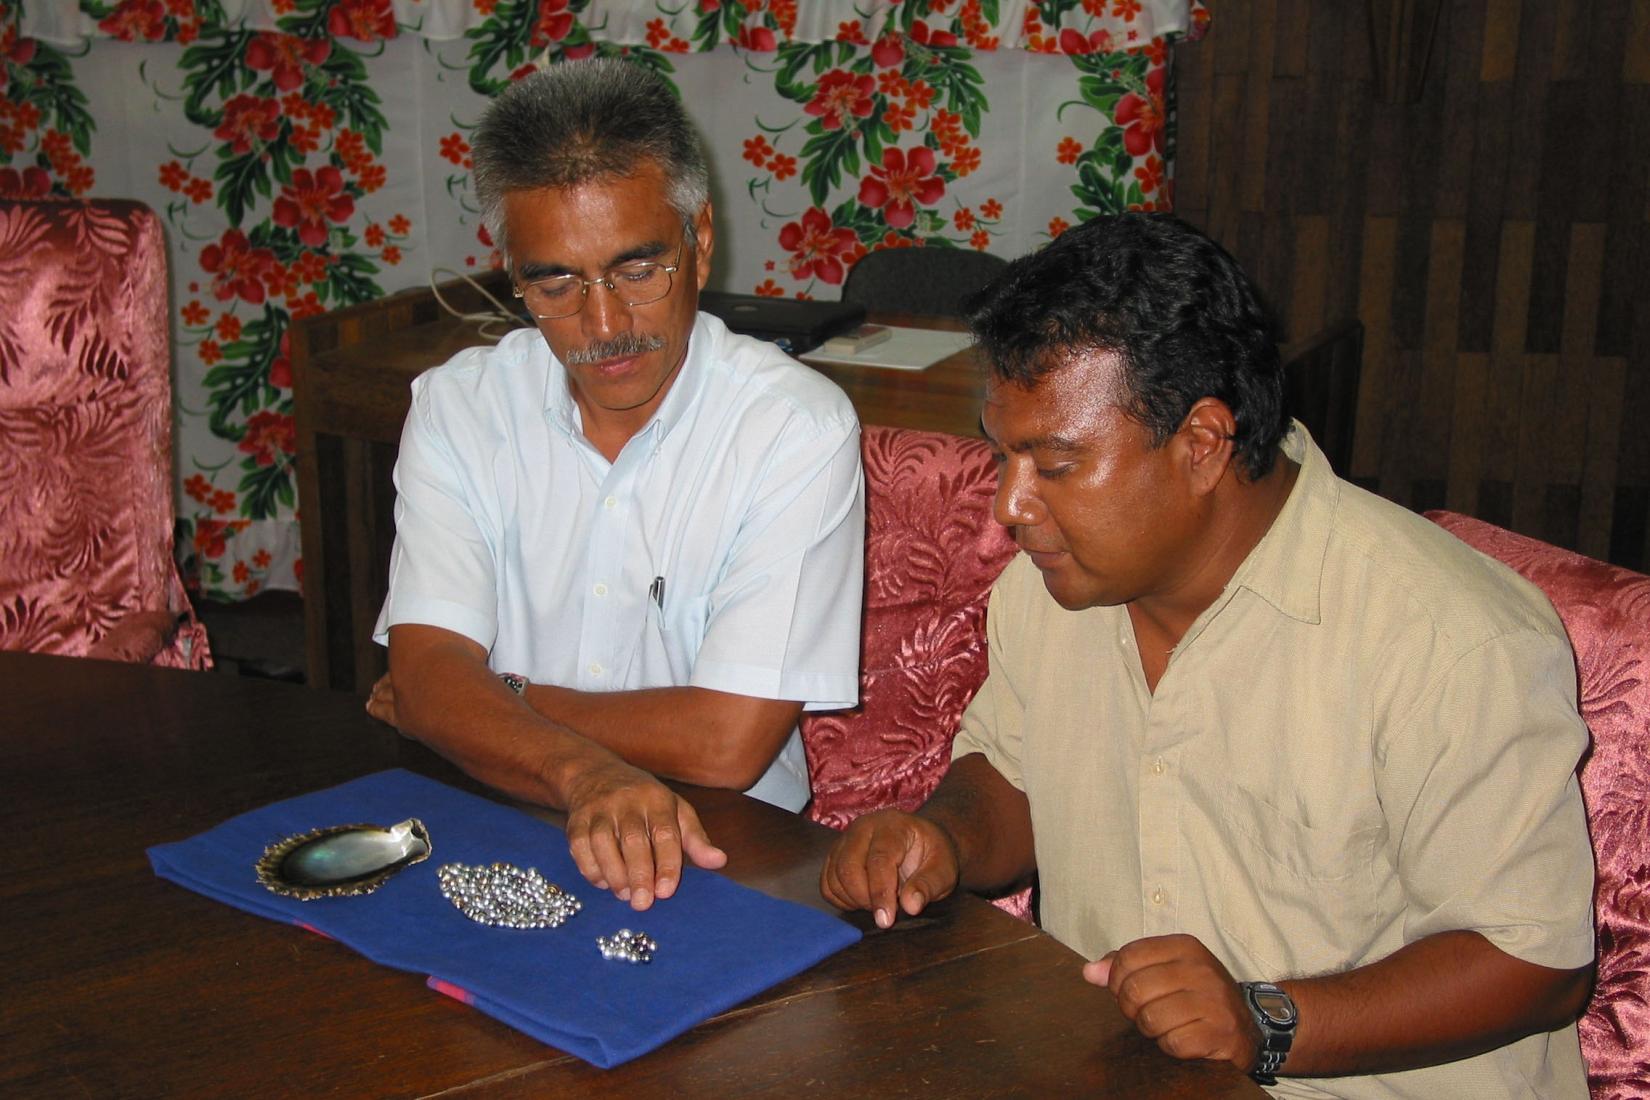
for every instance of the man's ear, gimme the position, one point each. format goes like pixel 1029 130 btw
pixel 704 234
pixel 1206 434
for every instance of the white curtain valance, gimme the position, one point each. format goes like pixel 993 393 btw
pixel 679 26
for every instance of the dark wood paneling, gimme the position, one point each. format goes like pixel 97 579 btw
pixel 1625 257
pixel 1460 43
pixel 1486 185
pixel 1492 234
pixel 1532 75
pixel 1635 406
pixel 1635 65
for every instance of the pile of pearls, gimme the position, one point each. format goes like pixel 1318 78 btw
pixel 631 947
pixel 506 896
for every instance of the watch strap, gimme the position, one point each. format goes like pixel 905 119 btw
pixel 1277 1036
pixel 1266 1069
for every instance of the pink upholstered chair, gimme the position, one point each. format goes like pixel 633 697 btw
pixel 86 507
pixel 932 552
pixel 1606 611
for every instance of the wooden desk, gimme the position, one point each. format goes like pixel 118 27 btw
pixel 351 370
pixel 122 984
pixel 945 397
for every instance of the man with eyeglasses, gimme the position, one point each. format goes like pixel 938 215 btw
pixel 628 543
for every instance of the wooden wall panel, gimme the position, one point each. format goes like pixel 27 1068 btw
pixel 1635 64
pixel 1628 189
pixel 1500 41
pixel 1467 432
pixel 1512 290
pixel 1493 235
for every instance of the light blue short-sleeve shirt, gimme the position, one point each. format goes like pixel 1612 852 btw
pixel 722 549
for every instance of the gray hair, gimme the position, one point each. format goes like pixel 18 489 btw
pixel 579 121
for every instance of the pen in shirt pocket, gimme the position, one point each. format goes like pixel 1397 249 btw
pixel 656 595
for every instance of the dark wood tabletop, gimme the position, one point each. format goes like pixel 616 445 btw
pixel 121 984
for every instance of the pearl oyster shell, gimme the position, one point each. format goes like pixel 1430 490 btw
pixel 342 860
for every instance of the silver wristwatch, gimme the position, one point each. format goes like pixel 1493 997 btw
pixel 1275 1015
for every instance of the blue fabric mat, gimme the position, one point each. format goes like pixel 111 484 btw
pixel 719 943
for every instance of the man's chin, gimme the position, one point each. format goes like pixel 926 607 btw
pixel 1073 597
pixel 1069 601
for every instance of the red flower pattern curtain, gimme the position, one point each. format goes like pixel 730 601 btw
pixel 310 154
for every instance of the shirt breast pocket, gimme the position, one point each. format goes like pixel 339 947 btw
pixel 671 639
pixel 1297 898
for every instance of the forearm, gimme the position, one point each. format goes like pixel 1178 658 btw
pixel 1448 996
pixel 447 698
pixel 988 820
pixel 710 738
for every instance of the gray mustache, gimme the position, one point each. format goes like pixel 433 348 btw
pixel 624 344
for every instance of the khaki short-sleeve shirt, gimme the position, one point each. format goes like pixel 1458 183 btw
pixel 1371 736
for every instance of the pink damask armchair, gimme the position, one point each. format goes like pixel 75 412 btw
pixel 1606 611
pixel 932 552
pixel 86 507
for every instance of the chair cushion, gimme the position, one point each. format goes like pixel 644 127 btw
pixel 1606 611
pixel 932 551
pixel 85 418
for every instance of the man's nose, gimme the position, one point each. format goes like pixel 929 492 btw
pixel 604 314
pixel 1015 504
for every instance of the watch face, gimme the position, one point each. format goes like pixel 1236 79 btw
pixel 1277 1006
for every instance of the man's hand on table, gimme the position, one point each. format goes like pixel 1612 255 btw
pixel 1178 994
pixel 1172 987
pixel 889 862
pixel 628 833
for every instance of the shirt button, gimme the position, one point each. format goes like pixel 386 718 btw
pixel 1158 896
pixel 595 668
pixel 610 503
pixel 1158 767
pixel 600 589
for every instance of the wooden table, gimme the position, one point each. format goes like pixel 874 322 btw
pixel 945 397
pixel 121 984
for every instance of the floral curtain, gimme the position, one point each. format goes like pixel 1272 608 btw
pixel 310 154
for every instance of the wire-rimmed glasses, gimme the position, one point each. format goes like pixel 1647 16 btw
pixel 635 284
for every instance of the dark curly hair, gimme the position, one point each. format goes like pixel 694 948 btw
pixel 1168 301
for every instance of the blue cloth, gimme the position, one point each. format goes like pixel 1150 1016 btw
pixel 719 943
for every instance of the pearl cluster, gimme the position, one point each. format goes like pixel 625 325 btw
pixel 632 947
pixel 506 896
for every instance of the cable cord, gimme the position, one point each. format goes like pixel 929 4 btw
pixel 492 325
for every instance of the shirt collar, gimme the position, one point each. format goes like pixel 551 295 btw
pixel 1286 567
pixel 563 411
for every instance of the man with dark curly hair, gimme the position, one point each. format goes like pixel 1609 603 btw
pixel 1295 767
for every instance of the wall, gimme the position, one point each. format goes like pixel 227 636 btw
pixel 1491 236
pixel 305 160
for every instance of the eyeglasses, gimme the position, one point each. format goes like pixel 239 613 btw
pixel 634 284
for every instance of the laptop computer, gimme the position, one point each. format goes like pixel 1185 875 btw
pixel 795 325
